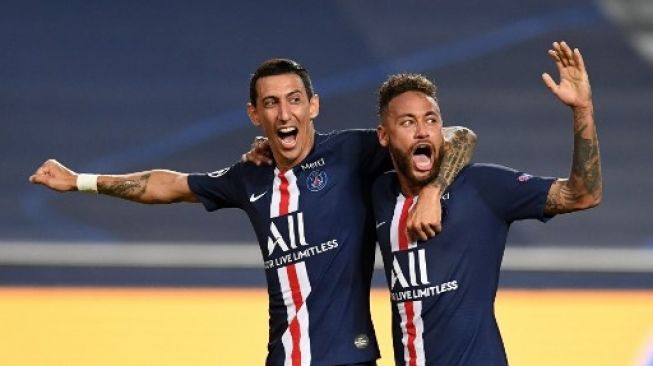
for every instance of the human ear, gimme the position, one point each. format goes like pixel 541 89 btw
pixel 314 107
pixel 253 115
pixel 382 134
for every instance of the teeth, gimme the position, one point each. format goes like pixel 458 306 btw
pixel 287 129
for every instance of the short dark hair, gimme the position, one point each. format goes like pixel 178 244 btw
pixel 400 83
pixel 279 66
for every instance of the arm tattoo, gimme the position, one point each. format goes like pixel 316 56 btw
pixel 130 189
pixel 553 200
pixel 585 178
pixel 459 153
pixel 559 198
pixel 586 167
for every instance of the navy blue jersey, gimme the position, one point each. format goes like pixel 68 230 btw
pixel 315 228
pixel 443 289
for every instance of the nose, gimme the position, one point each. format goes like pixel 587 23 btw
pixel 284 111
pixel 421 130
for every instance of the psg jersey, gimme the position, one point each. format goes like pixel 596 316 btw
pixel 314 225
pixel 443 289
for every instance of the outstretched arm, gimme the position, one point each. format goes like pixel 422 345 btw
pixel 425 220
pixel 154 186
pixel 583 189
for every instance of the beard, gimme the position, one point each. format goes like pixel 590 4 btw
pixel 404 165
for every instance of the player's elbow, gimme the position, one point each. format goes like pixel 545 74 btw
pixel 596 200
pixel 463 134
pixel 588 201
pixel 470 136
pixel 596 196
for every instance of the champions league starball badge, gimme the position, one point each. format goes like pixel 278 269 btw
pixel 218 173
pixel 316 180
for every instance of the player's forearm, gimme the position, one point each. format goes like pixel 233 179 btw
pixel 460 143
pixel 154 186
pixel 585 177
pixel 583 189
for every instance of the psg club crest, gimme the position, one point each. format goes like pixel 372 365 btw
pixel 316 180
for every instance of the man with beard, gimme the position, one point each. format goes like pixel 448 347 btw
pixel 311 211
pixel 443 289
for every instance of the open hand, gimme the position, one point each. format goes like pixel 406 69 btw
pixel 574 87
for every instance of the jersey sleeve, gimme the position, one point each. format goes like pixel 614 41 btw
pixel 219 189
pixel 511 194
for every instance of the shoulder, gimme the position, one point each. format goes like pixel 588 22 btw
pixel 237 172
pixel 493 179
pixel 485 177
pixel 352 135
pixel 486 168
pixel 359 146
pixel 487 171
pixel 198 179
pixel 385 184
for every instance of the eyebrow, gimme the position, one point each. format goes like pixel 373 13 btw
pixel 293 92
pixel 429 113
pixel 287 95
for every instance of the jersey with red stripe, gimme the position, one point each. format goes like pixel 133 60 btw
pixel 316 233
pixel 443 289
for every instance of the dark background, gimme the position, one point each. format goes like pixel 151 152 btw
pixel 121 86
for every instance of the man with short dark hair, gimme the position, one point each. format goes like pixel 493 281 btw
pixel 443 289
pixel 310 209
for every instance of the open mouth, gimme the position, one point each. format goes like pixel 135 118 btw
pixel 423 157
pixel 288 136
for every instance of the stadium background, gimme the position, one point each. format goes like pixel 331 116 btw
pixel 125 86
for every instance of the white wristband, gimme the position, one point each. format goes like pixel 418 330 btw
pixel 87 183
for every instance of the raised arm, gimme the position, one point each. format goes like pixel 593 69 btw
pixel 425 220
pixel 154 186
pixel 583 189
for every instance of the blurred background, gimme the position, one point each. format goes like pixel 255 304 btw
pixel 122 86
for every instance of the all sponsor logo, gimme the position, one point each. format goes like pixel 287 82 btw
pixel 415 269
pixel 296 235
pixel 409 280
pixel 294 248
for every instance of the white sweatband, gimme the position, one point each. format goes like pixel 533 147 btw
pixel 87 183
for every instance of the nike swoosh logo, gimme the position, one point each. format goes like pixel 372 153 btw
pixel 254 198
pixel 379 224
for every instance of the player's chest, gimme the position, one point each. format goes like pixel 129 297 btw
pixel 300 213
pixel 323 183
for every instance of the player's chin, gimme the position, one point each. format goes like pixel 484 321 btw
pixel 290 155
pixel 421 177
